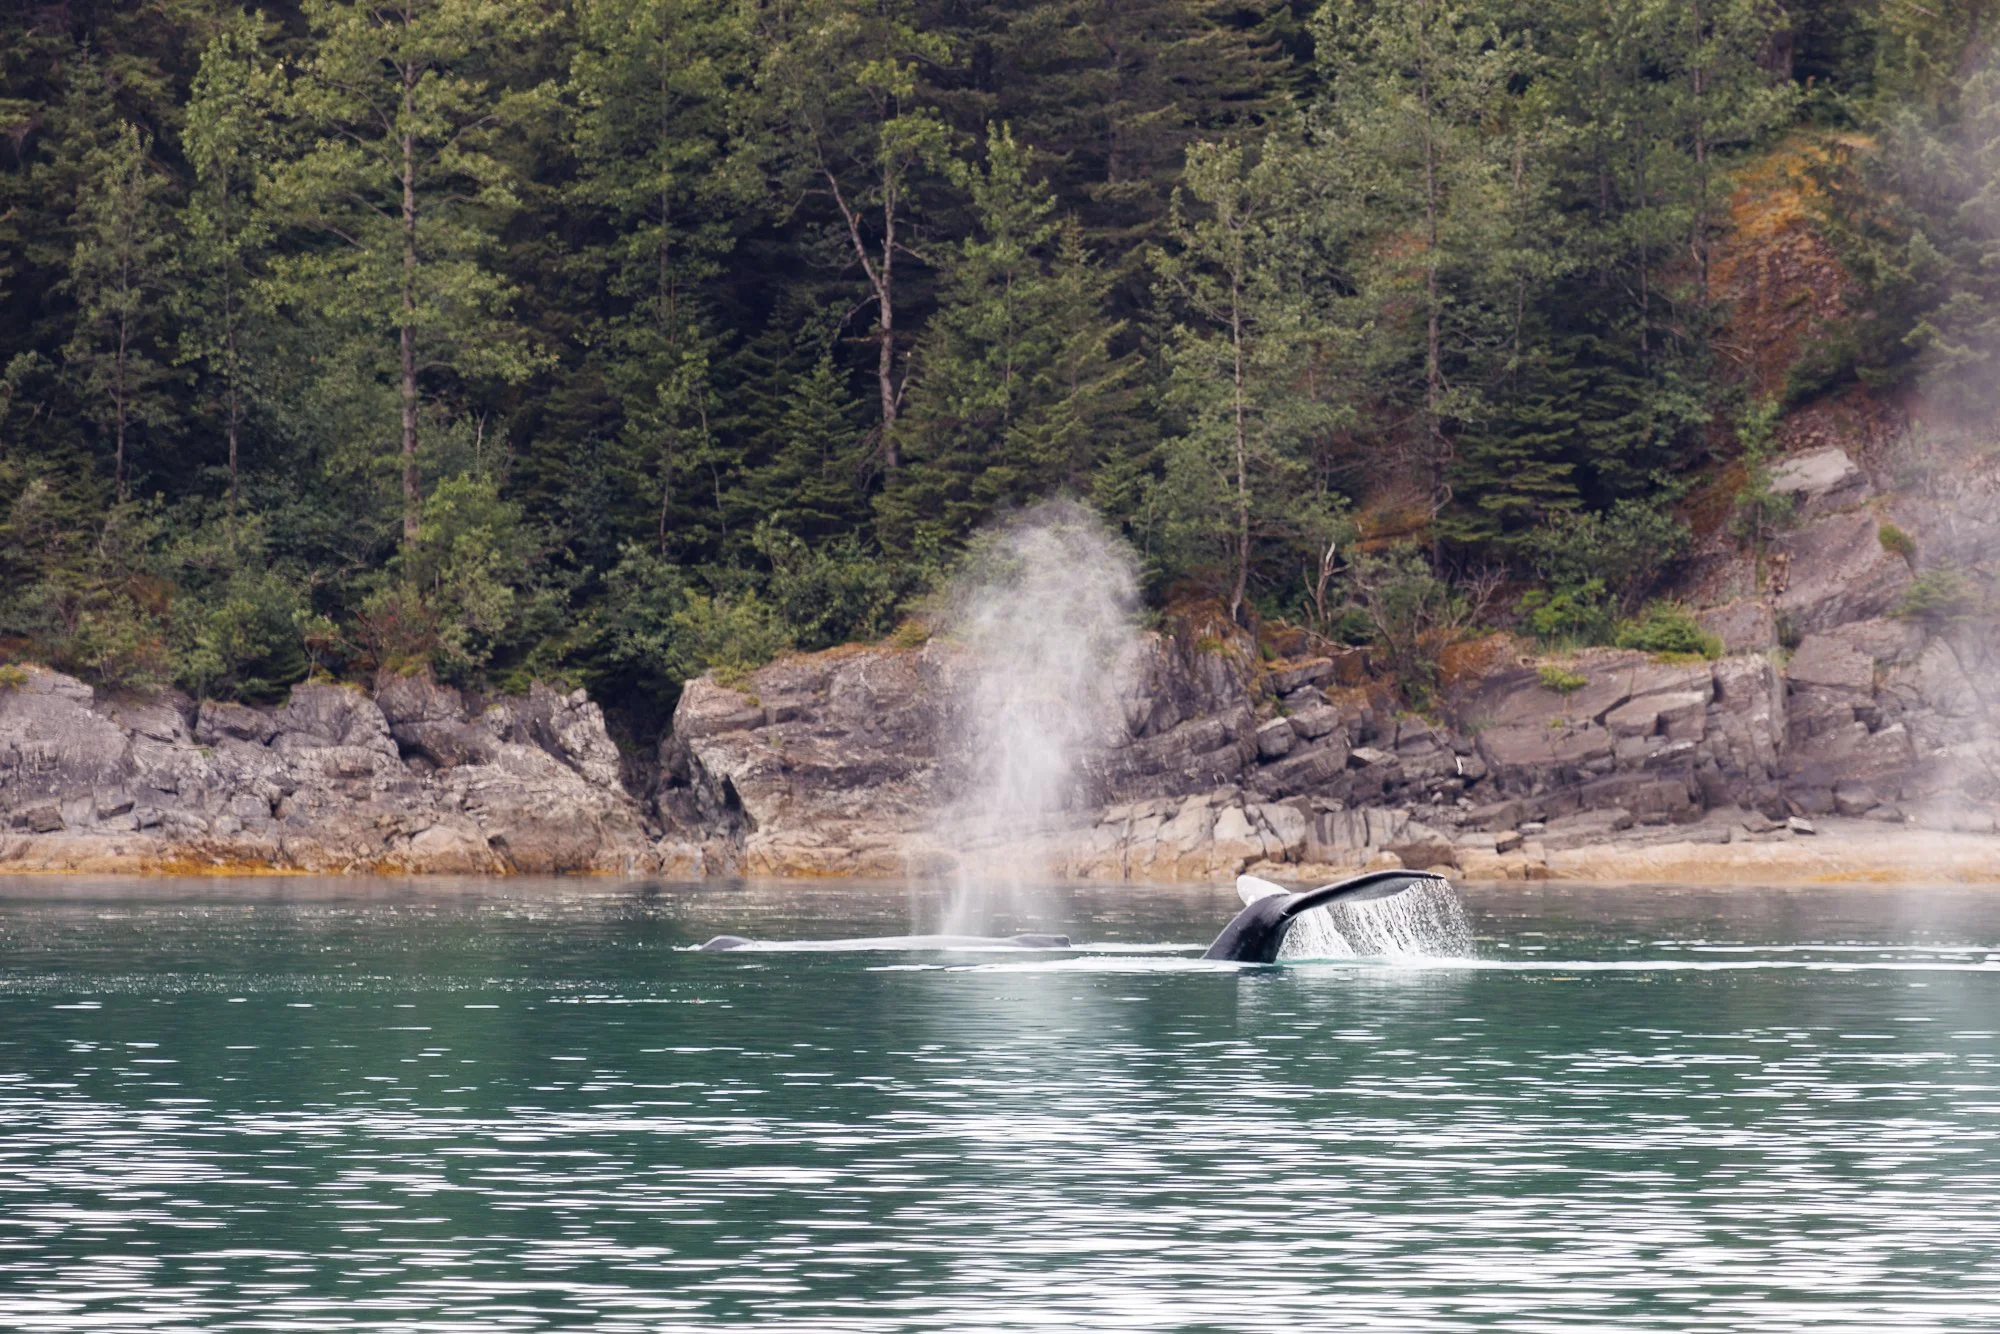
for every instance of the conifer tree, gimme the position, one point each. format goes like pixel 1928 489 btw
pixel 659 89
pixel 397 173
pixel 1412 86
pixel 1724 97
pixel 1016 390
pixel 797 426
pixel 1931 262
pixel 227 141
pixel 1238 274
pixel 1112 92
pixel 117 280
pixel 811 488
pixel 843 77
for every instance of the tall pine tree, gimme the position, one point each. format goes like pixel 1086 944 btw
pixel 845 81
pixel 118 282
pixel 1016 391
pixel 397 179
pixel 1238 275
pixel 227 141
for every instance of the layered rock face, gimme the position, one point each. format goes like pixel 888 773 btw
pixel 834 764
pixel 842 762
pixel 821 764
pixel 848 762
pixel 415 779
pixel 831 764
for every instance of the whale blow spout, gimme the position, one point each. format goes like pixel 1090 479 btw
pixel 1256 934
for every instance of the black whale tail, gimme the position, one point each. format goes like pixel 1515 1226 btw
pixel 1256 934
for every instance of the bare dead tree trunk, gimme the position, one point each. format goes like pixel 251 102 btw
pixel 882 284
pixel 885 364
pixel 120 391
pixel 1645 259
pixel 666 489
pixel 232 391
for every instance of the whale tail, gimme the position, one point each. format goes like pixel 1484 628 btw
pixel 1256 934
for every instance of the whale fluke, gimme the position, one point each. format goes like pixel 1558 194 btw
pixel 1025 941
pixel 1256 934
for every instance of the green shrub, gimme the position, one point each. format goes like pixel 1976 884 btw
pixel 12 677
pixel 1568 617
pixel 1562 680
pixel 1898 543
pixel 656 631
pixel 242 638
pixel 468 586
pixel 1414 614
pixel 1938 597
pixel 1790 634
pixel 1761 513
pixel 1664 627
pixel 1613 558
pixel 837 592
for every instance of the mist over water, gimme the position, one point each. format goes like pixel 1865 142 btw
pixel 1043 619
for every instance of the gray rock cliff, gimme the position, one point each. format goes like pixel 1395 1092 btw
pixel 1825 707
pixel 419 778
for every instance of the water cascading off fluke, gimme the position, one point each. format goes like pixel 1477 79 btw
pixel 1402 916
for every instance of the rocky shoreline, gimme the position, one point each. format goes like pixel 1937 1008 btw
pixel 416 778
pixel 1833 740
pixel 1650 770
pixel 1826 707
pixel 829 765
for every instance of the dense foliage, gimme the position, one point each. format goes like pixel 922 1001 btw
pixel 616 339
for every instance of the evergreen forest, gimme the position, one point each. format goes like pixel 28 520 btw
pixel 611 341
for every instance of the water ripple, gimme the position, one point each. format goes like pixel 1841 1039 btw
pixel 559 1118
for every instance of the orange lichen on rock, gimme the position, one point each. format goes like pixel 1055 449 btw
pixel 1777 276
pixel 1472 659
pixel 1203 622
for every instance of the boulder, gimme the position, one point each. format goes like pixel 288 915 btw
pixel 1315 722
pixel 1282 678
pixel 45 818
pixel 1288 825
pixel 1836 571
pixel 317 784
pixel 1819 481
pixel 1833 661
pixel 1746 625
pixel 1307 769
pixel 1661 713
pixel 1275 739
pixel 1854 798
pixel 220 719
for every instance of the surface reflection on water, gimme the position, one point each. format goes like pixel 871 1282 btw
pixel 373 1105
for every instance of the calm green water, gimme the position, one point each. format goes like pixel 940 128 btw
pixel 310 1106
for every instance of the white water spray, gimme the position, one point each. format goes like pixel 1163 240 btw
pixel 1425 921
pixel 1043 619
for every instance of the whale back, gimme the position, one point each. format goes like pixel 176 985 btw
pixel 1256 934
pixel 1024 941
